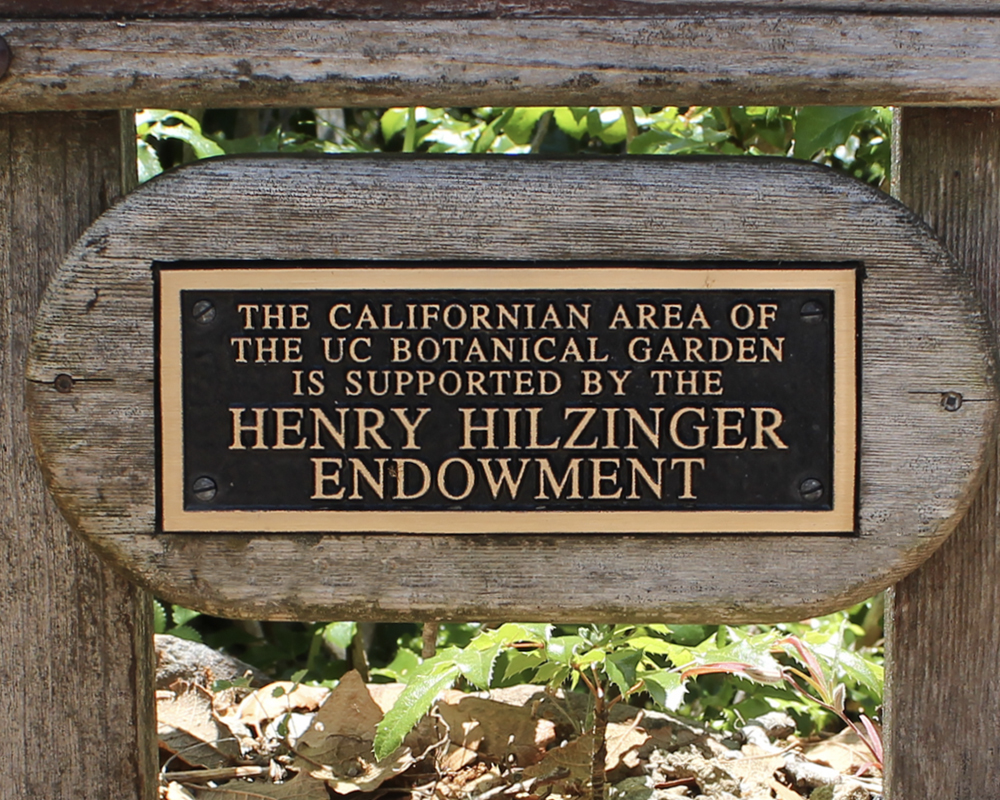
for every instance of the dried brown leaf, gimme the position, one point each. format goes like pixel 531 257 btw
pixel 844 752
pixel 624 742
pixel 186 725
pixel 782 792
pixel 569 762
pixel 302 787
pixel 757 766
pixel 499 732
pixel 277 699
pixel 338 747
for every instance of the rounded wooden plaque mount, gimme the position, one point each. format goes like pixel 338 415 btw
pixel 925 373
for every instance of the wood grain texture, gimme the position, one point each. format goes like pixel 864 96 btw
pixel 924 334
pixel 422 9
pixel 781 58
pixel 943 641
pixel 76 657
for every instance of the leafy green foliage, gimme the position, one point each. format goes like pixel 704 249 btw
pixel 175 623
pixel 852 139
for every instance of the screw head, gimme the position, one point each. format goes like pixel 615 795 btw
pixel 204 489
pixel 812 312
pixel 951 401
pixel 204 311
pixel 811 490
pixel 63 383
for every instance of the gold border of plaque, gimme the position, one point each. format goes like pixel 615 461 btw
pixel 840 519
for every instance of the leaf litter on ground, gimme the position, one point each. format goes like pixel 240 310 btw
pixel 290 741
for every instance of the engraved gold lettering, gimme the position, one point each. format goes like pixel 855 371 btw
pixel 387 319
pixel 449 318
pixel 713 382
pixel 587 414
pixel 723 427
pixel 591 382
pixel 638 470
pixel 337 434
pixel 619 378
pixel 741 316
pixel 283 427
pixel 646 314
pixel 480 317
pixel 400 349
pixel 538 349
pixel 701 431
pixel 715 356
pixel 273 317
pixel 638 349
pixel 533 443
pixel 610 428
pixel 429 313
pixel 746 352
pixel 651 433
pixel 672 316
pixel 687 478
pixel 353 386
pixel 661 376
pixel 687 382
pixel 620 318
pixel 578 317
pixel 442 478
pixel 334 323
pixel 352 350
pixel 592 356
pixel 692 349
pixel 401 465
pixel 366 317
pixel 410 426
pixel 257 428
pixel 300 316
pixel 488 428
pixel 766 313
pixel 328 355
pixel 505 478
pixel 241 343
pixel 600 478
pixel 551 318
pixel 376 484
pixel 247 312
pixel 667 352
pixel 775 347
pixel 321 477
pixel 366 429
pixel 698 317
pixel 570 476
pixel 769 429
pixel 512 429
pixel 317 382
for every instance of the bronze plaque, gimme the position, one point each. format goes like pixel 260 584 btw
pixel 507 398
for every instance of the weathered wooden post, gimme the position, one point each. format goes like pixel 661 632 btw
pixel 75 637
pixel 925 421
pixel 943 638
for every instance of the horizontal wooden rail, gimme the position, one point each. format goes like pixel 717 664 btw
pixel 417 9
pixel 794 58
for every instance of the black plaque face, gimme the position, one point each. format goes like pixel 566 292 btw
pixel 523 399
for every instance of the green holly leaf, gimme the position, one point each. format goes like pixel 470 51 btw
pixel 665 687
pixel 621 667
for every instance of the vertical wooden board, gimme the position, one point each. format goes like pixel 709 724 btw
pixel 943 640
pixel 76 657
